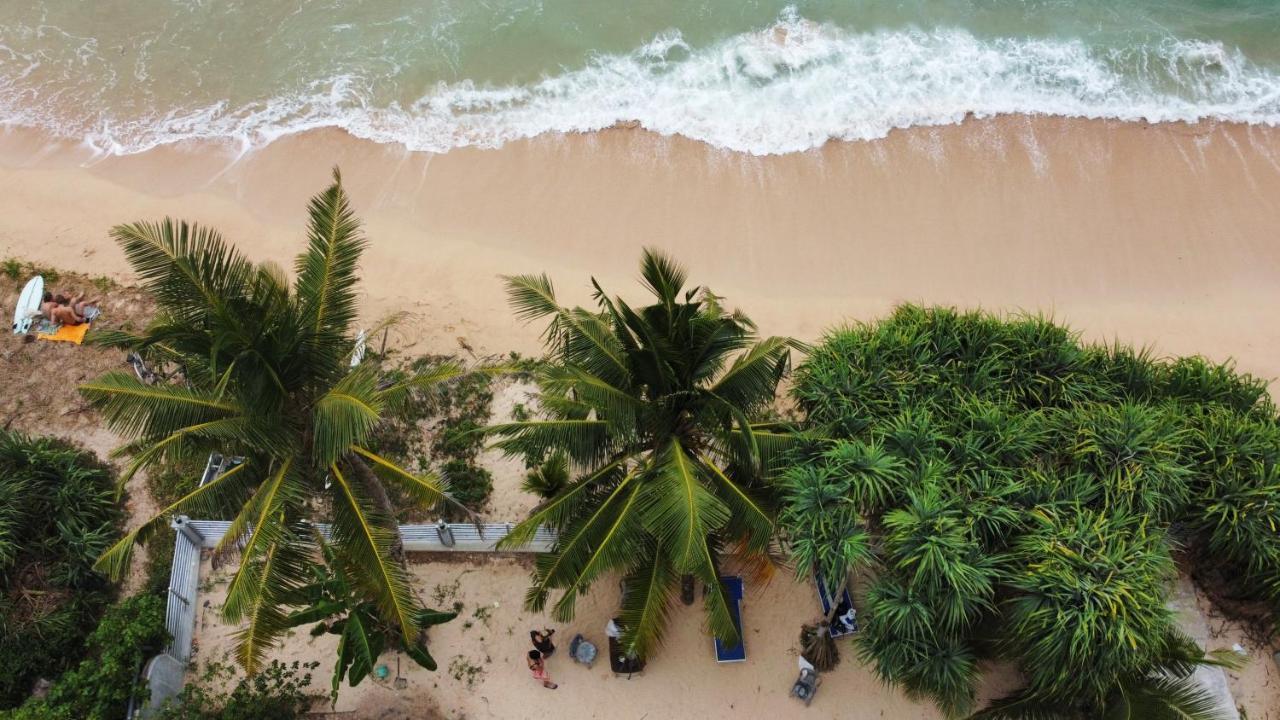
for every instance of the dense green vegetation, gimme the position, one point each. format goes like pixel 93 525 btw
pixel 57 515
pixel 1020 496
pixel 654 407
pixel 437 427
pixel 100 686
pixel 332 603
pixel 260 368
pixel 277 691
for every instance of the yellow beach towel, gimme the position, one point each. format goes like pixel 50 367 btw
pixel 67 333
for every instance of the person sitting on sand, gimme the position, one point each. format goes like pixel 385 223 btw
pixel 47 305
pixel 539 670
pixel 542 641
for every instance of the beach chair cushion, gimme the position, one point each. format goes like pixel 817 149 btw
pixel 733 589
pixel 838 628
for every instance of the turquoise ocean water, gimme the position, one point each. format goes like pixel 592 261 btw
pixel 755 76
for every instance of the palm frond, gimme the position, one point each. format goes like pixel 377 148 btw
pixel 327 270
pixel 132 408
pixel 560 567
pixel 611 548
pixel 368 538
pixel 662 275
pixel 1163 698
pixel 281 566
pixel 115 561
pixel 557 511
pixel 345 415
pixel 189 269
pixel 678 510
pixel 584 440
pixel 752 379
pixel 426 489
pixel 748 515
pixel 646 603
pixel 394 395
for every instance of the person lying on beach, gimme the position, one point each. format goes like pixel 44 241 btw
pixel 65 315
pixel 539 670
pixel 76 303
pixel 542 641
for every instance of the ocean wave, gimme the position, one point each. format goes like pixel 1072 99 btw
pixel 790 87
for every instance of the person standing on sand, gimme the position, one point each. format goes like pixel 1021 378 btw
pixel 542 641
pixel 539 670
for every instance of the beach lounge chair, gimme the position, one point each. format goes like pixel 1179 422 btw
pixel 216 465
pixel 621 663
pixel 733 590
pixel 839 628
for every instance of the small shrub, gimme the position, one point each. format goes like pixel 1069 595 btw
pixel 468 484
pixel 549 477
pixel 460 441
pixel 170 483
pixel 159 565
pixel 12 268
pixel 278 692
pixel 464 671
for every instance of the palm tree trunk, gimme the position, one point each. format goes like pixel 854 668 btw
pixel 835 598
pixel 374 487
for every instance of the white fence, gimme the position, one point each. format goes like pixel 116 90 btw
pixel 165 672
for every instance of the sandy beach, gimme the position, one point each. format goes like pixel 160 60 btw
pixel 1153 235
pixel 1161 235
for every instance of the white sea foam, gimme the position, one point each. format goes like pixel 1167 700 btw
pixel 788 88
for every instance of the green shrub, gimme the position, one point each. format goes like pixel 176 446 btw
pixel 468 484
pixel 278 691
pixel 547 478
pixel 1016 490
pixel 57 515
pixel 99 688
pixel 159 565
pixel 460 441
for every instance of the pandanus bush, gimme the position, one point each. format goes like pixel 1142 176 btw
pixel 265 374
pixel 57 514
pixel 659 411
pixel 1027 518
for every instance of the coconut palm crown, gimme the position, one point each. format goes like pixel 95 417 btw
pixel 655 407
pixel 266 374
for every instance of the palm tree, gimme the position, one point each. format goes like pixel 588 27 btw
pixel 267 377
pixel 655 407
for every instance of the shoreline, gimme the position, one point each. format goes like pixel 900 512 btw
pixel 1159 235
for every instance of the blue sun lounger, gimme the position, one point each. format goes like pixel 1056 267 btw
pixel 733 594
pixel 839 628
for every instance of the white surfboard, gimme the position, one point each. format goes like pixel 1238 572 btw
pixel 28 305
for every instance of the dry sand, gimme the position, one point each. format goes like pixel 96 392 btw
pixel 1162 235
pixel 683 681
